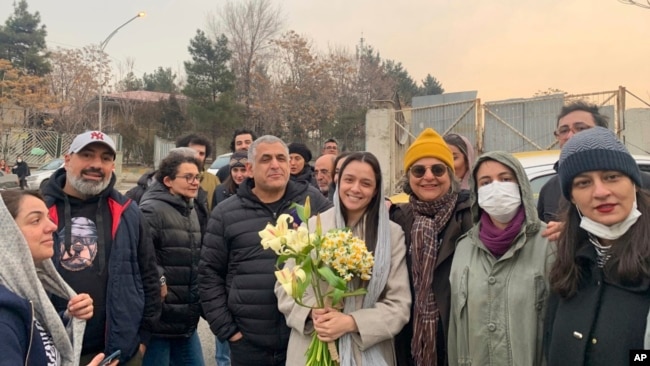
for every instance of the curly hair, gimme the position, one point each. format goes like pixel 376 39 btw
pixel 194 139
pixel 169 166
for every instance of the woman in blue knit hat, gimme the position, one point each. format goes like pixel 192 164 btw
pixel 600 281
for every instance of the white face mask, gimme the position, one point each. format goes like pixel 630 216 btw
pixel 19 160
pixel 612 232
pixel 500 200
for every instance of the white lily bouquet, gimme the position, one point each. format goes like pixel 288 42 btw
pixel 335 257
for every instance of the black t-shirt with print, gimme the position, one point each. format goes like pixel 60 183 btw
pixel 79 261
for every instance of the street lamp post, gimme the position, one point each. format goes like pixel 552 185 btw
pixel 102 46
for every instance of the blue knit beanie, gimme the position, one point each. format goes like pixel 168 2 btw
pixel 595 149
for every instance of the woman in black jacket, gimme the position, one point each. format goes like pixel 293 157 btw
pixel 237 175
pixel 600 282
pixel 169 207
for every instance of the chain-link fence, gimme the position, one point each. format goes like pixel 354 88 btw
pixel 37 147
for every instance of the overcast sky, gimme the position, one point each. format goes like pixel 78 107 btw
pixel 502 48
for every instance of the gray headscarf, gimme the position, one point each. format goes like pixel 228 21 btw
pixel 376 285
pixel 33 282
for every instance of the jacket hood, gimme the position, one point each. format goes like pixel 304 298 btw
pixel 146 179
pixel 159 192
pixel 54 186
pixel 532 222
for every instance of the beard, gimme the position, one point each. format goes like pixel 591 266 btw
pixel 89 187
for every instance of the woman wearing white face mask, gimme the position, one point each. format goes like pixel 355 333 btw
pixel 498 275
pixel 601 280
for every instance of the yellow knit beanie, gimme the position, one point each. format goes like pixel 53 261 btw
pixel 428 145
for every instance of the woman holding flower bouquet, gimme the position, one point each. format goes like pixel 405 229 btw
pixel 363 326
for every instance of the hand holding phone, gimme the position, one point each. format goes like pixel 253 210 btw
pixel 110 358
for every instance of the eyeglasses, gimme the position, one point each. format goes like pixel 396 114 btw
pixel 321 171
pixel 418 171
pixel 563 131
pixel 189 178
pixel 332 147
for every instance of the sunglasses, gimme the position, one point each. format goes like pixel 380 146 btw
pixel 438 170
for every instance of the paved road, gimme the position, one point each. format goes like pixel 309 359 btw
pixel 207 342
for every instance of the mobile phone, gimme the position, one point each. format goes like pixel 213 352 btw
pixel 108 359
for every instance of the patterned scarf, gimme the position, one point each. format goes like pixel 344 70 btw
pixel 429 220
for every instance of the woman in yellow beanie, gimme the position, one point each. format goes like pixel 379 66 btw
pixel 437 213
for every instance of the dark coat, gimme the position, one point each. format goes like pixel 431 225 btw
pixel 306 175
pixel 21 170
pixel 176 235
pixel 138 190
pixel 222 192
pixel 600 323
pixel 459 223
pixel 133 290
pixel 236 275
pixel 21 341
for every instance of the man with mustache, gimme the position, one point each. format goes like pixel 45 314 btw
pixel 119 273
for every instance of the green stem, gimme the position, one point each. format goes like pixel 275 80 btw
pixel 316 285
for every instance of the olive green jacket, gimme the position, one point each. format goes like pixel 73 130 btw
pixel 498 304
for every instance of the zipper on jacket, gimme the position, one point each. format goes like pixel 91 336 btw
pixel 31 335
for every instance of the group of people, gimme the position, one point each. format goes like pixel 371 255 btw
pixel 469 271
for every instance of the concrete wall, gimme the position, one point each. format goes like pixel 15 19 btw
pixel 637 130
pixel 379 138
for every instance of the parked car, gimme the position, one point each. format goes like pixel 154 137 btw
pixel 218 163
pixel 8 181
pixel 539 169
pixel 39 177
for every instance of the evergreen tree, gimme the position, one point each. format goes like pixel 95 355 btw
pixel 404 84
pixel 22 41
pixel 208 74
pixel 431 86
pixel 172 118
pixel 130 83
pixel 161 80
pixel 210 86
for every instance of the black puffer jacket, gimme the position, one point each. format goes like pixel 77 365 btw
pixel 236 275
pixel 176 235
pixel 221 193
pixel 143 184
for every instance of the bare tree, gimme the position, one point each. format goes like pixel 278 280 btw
pixel 73 82
pixel 637 3
pixel 250 25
